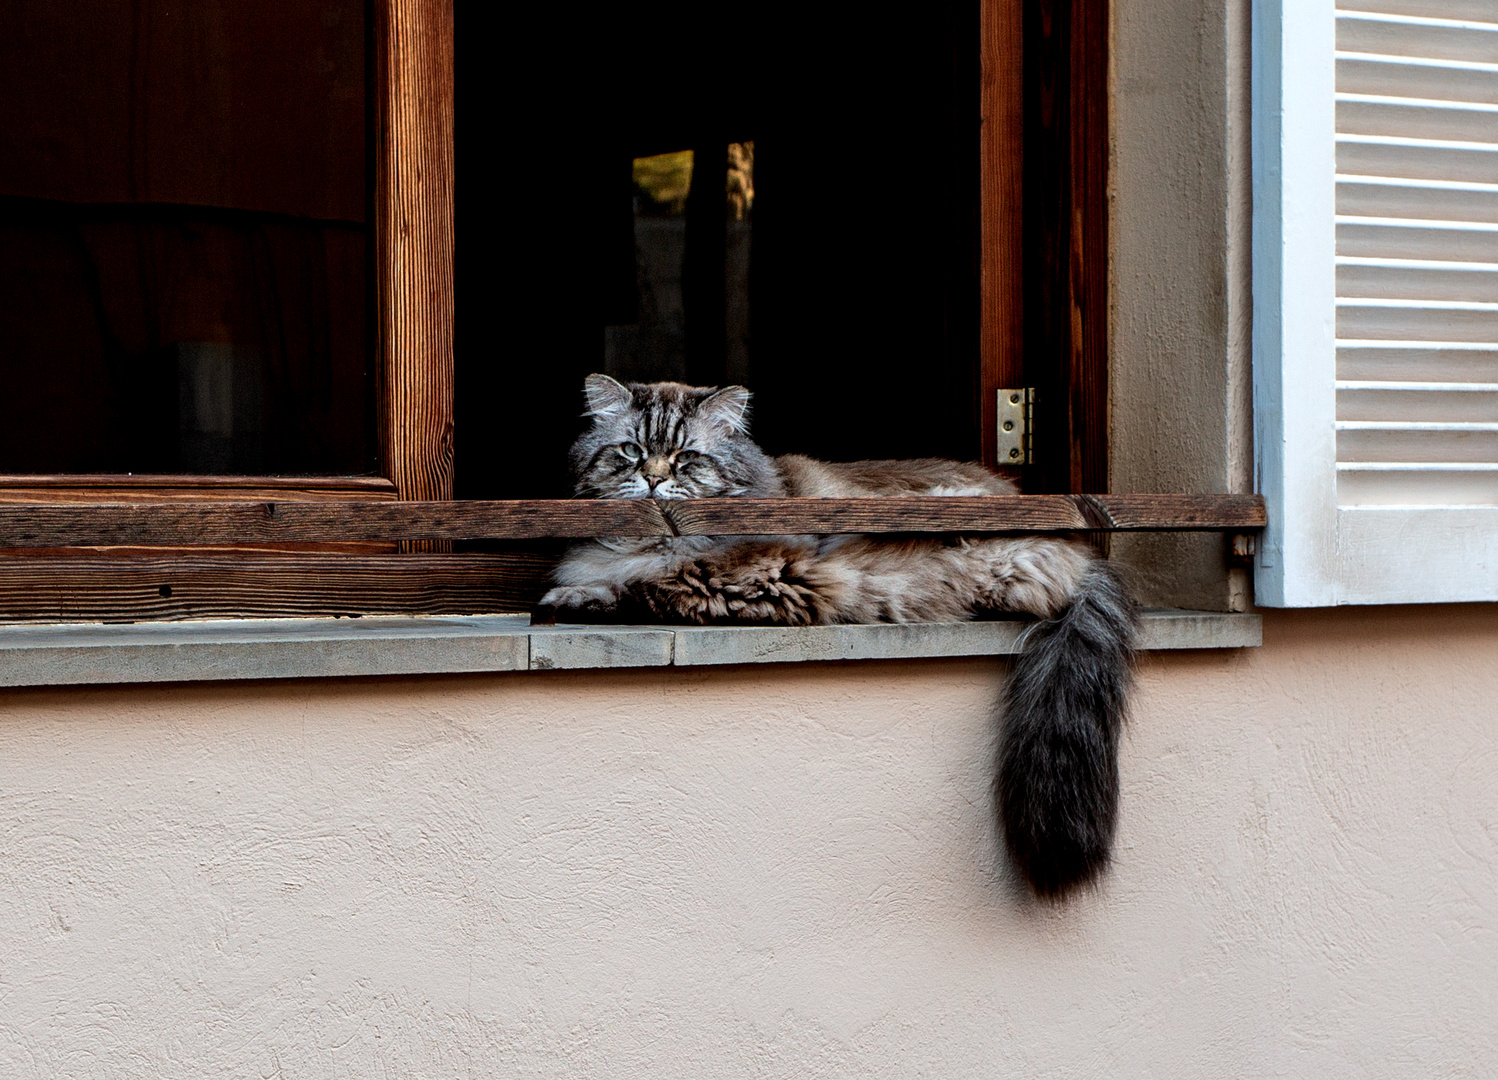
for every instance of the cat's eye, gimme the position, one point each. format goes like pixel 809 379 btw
pixel 631 450
pixel 686 457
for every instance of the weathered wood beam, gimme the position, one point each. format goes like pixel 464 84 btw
pixel 53 525
pixel 111 588
pixel 85 487
pixel 969 514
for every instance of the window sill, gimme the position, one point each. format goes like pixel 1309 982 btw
pixel 372 646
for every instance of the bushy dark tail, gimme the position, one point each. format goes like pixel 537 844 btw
pixel 1057 784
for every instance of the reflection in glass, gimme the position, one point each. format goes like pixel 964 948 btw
pixel 183 238
pixel 736 260
pixel 691 261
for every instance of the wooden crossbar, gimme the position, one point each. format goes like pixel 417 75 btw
pixel 188 523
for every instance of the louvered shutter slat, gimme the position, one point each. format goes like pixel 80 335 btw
pixel 1472 10
pixel 1430 38
pixel 1436 361
pixel 1405 278
pixel 1406 118
pixel 1416 159
pixel 1413 238
pixel 1377 75
pixel 1416 200
pixel 1418 402
pixel 1416 444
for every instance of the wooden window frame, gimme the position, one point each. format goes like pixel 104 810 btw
pixel 413 227
pixel 412 110
pixel 1043 291
pixel 120 549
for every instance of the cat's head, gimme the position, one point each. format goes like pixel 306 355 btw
pixel 668 441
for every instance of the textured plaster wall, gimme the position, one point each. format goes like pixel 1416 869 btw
pixel 1180 236
pixel 760 872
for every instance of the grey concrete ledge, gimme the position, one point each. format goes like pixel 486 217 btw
pixel 316 648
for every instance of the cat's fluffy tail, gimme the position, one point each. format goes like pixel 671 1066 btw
pixel 1057 784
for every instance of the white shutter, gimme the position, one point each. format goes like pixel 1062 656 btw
pixel 1376 299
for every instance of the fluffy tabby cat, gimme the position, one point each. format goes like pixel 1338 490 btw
pixel 1057 783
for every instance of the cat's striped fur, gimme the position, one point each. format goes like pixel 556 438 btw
pixel 1057 782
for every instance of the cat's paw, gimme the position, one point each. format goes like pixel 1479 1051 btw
pixel 766 589
pixel 685 596
pixel 762 588
pixel 575 603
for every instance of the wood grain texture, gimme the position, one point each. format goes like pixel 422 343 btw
pixel 55 525
pixel 150 488
pixel 87 489
pixel 1001 193
pixel 1087 270
pixel 414 177
pixel 976 514
pixel 82 488
pixel 90 588
pixel 1047 217
pixel 1066 226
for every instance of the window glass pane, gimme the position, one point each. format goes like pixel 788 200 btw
pixel 184 238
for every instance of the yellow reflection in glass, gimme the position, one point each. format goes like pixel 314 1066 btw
pixel 740 179
pixel 662 181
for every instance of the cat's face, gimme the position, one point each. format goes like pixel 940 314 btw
pixel 664 441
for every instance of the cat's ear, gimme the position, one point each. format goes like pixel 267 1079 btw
pixel 728 406
pixel 605 396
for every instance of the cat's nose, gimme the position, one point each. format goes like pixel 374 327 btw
pixel 656 470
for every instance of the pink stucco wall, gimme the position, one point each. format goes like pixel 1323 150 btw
pixel 758 872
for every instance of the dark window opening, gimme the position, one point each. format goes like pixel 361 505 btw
pixel 184 238
pixel 675 196
pixel 781 197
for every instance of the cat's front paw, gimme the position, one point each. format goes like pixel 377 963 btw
pixel 684 596
pixel 767 589
pixel 575 603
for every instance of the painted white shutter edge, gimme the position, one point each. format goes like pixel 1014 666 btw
pixel 1294 280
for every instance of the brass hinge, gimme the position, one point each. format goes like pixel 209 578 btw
pixel 1016 416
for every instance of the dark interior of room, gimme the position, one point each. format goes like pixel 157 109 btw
pixel 853 313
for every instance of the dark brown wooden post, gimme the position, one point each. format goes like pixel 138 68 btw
pixel 1087 413
pixel 413 86
pixel 1066 234
pixel 1002 188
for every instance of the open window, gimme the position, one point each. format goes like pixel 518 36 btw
pixel 876 223
pixel 841 212
pixel 700 193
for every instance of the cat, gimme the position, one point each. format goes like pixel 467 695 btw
pixel 1056 789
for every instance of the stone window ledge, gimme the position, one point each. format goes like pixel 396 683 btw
pixel 371 646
